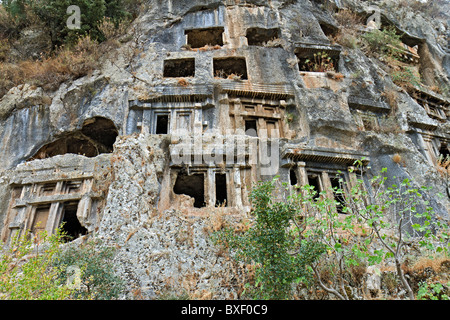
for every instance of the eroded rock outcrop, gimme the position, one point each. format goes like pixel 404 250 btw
pixel 192 100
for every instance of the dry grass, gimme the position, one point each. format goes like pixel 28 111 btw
pixel 183 82
pixel 443 165
pixel 50 72
pixel 397 158
pixel 348 19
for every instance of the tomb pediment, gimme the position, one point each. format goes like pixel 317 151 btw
pixel 325 155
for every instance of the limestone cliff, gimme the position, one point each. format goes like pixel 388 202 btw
pixel 162 144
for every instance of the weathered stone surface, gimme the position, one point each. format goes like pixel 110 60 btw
pixel 163 244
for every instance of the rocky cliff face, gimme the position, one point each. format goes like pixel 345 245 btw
pixel 190 102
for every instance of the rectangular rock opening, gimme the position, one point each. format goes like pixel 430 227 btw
pixel 328 29
pixel 338 193
pixel 198 38
pixel 293 177
pixel 260 36
pixel 71 226
pixel 369 122
pixel 230 68
pixel 176 68
pixel 162 124
pixel 193 186
pixel 251 128
pixel 221 190
pixel 314 181
pixel 317 60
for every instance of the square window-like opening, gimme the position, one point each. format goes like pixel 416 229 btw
pixel 71 226
pixel 198 38
pixel 193 186
pixel 338 193
pixel 293 177
pixel 444 151
pixel 316 60
pixel 221 190
pixel 176 68
pixel 162 124
pixel 230 68
pixel 251 128
pixel 314 181
pixel 259 36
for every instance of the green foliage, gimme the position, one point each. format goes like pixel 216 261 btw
pixel 98 280
pixel 406 76
pixel 320 62
pixel 380 221
pixel 385 42
pixel 16 8
pixel 27 271
pixel 433 291
pixel 53 15
pixel 269 244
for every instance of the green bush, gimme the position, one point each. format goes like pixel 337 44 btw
pixel 385 42
pixel 98 280
pixel 405 77
pixel 52 14
pixel 27 271
pixel 269 244
pixel 334 238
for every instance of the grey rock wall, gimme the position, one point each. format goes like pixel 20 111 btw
pixel 165 252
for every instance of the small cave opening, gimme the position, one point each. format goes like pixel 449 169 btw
pixel 162 124
pixel 338 194
pixel 444 151
pixel 221 190
pixel 293 177
pixel 259 36
pixel 191 185
pixel 251 128
pixel 96 136
pixel 230 68
pixel 314 181
pixel 176 68
pixel 328 29
pixel 317 60
pixel 198 38
pixel 71 226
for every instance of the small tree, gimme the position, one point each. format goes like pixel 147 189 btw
pixel 27 271
pixel 97 280
pixel 378 222
pixel 269 244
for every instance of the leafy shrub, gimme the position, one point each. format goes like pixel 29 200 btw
pixel 433 291
pixel 267 244
pixel 27 271
pixel 320 62
pixel 98 280
pixel 406 77
pixel 53 14
pixel 385 42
